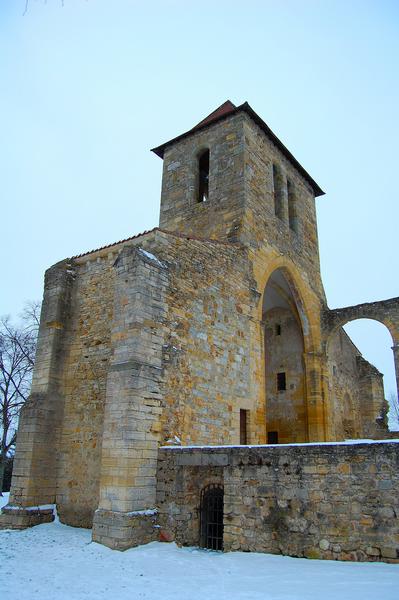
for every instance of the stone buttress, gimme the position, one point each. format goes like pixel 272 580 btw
pixel 34 479
pixel 125 515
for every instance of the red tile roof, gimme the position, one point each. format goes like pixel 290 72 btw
pixel 133 237
pixel 224 109
pixel 174 233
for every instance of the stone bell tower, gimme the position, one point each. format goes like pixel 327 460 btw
pixel 230 178
pixel 203 183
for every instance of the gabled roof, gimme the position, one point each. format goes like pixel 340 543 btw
pixel 178 234
pixel 224 109
pixel 228 109
pixel 133 237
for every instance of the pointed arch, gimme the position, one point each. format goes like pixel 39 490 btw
pixel 284 318
pixel 306 300
pixel 308 313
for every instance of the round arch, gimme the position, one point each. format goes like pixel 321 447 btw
pixel 346 321
pixel 345 361
pixel 385 312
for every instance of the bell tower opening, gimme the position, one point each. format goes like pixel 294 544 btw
pixel 203 176
pixel 286 414
pixel 226 179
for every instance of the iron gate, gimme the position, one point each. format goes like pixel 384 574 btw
pixel 212 517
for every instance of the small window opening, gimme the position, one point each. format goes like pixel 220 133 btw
pixel 278 329
pixel 278 205
pixel 281 382
pixel 272 437
pixel 292 207
pixel 211 511
pixel 203 179
pixel 243 427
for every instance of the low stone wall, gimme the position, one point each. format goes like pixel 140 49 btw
pixel 15 517
pixel 332 501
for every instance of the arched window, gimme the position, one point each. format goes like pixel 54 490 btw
pixel 277 192
pixel 203 176
pixel 292 207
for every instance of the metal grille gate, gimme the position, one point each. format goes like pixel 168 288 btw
pixel 212 517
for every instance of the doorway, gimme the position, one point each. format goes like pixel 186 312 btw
pixel 211 509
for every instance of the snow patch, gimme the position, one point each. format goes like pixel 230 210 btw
pixel 32 508
pixel 4 499
pixel 175 441
pixel 147 513
pixel 151 257
pixel 57 562
pixel 345 443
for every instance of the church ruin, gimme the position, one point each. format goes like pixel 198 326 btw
pixel 210 330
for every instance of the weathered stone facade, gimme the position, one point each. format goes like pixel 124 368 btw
pixel 337 501
pixel 182 332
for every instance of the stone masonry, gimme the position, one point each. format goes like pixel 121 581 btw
pixel 337 502
pixel 210 329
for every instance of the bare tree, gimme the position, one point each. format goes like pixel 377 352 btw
pixel 17 357
pixel 394 410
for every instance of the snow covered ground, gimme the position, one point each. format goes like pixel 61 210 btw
pixel 56 562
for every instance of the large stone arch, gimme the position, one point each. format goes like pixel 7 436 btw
pixel 307 304
pixel 384 311
pixel 308 311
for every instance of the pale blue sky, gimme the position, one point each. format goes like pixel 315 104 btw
pixel 86 90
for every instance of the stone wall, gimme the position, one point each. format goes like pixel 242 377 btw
pixel 344 387
pixel 261 227
pixel 206 358
pixel 221 216
pixel 87 350
pixel 286 409
pixel 373 405
pixel 331 501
